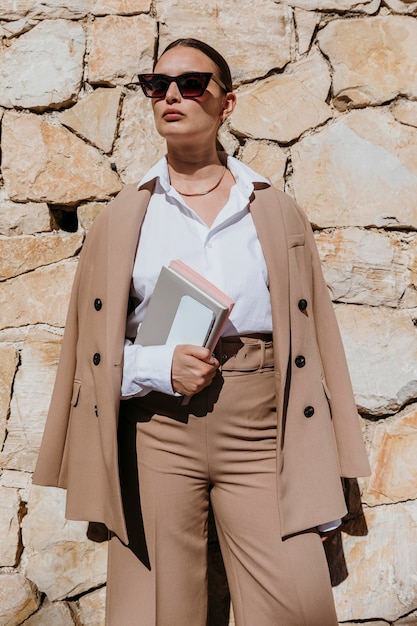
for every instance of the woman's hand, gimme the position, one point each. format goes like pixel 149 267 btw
pixel 193 368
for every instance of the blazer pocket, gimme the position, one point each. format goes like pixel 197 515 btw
pixel 296 240
pixel 76 388
pixel 326 389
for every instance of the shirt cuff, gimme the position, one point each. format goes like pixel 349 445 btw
pixel 145 369
pixel 329 526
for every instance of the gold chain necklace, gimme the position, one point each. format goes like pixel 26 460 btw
pixel 204 193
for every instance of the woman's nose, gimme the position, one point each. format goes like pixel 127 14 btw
pixel 173 94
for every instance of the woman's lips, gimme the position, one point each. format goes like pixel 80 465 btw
pixel 171 115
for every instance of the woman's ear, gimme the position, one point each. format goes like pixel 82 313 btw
pixel 228 106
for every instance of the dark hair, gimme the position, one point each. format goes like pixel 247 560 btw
pixel 216 57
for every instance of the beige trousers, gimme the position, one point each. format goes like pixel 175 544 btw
pixel 223 447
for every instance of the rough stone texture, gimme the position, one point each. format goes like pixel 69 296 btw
pixel 90 608
pixel 18 599
pixel 45 162
pixel 32 72
pixel 29 405
pixel 95 117
pixel 282 107
pixel 23 219
pixel 394 460
pixel 378 158
pixel 139 146
pixel 120 7
pixel 266 158
pixel 75 126
pixel 59 558
pixel 9 358
pixel 405 111
pixel 9 526
pixel 28 299
pixel 373 59
pixel 56 614
pixel 87 213
pixel 334 5
pixel 391 588
pixel 44 9
pixel 375 338
pixel 25 253
pixel 367 267
pixel 131 41
pixel 266 40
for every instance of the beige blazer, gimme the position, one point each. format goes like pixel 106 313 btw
pixel 319 433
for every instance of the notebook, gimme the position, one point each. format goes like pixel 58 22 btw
pixel 185 308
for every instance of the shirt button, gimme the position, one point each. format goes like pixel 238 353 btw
pixel 98 304
pixel 96 358
pixel 300 360
pixel 309 411
pixel 302 304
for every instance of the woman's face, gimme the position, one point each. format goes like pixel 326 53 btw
pixel 180 119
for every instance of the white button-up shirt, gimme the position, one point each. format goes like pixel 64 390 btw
pixel 227 253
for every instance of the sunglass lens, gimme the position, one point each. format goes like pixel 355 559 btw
pixel 193 85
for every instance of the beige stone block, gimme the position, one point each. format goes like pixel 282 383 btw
pixel 381 566
pixel 138 146
pixel 52 614
pixel 18 599
pixel 368 6
pixel 17 27
pixel 405 111
pixel 381 349
pixel 266 159
pixel 58 557
pixel 393 460
pixel 306 23
pixel 9 526
pixel 43 67
pixel 95 117
pixel 9 358
pixel 258 40
pixel 373 59
pixel 409 620
pixel 368 267
pixel 120 7
pixel 25 253
pixel 29 298
pixel 227 139
pixel 284 106
pixel 131 41
pixel 44 9
pixel 45 162
pixel 15 479
pixel 90 608
pixel 23 219
pixel 87 213
pixel 403 6
pixel 359 171
pixel 31 396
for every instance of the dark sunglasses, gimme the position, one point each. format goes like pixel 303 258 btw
pixel 190 85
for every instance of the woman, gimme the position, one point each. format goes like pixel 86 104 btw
pixel 271 424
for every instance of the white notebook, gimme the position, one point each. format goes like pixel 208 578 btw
pixel 184 308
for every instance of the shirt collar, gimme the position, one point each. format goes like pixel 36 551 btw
pixel 245 176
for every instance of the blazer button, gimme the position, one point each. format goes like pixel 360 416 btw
pixel 309 411
pixel 302 304
pixel 96 358
pixel 98 304
pixel 300 360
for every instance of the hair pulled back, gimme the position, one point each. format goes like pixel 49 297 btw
pixel 219 61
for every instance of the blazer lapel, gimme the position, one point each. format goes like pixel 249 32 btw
pixel 268 218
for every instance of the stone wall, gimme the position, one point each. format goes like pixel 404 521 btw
pixel 327 108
